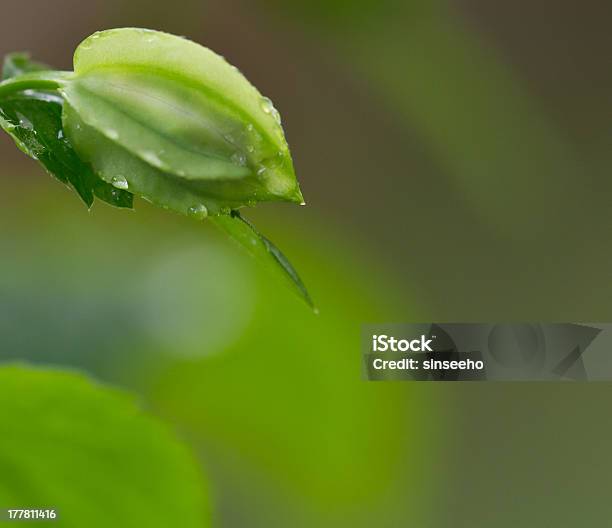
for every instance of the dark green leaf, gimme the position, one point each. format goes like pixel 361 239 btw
pixel 262 249
pixel 34 120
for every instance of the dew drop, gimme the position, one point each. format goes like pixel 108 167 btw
pixel 302 203
pixel 238 158
pixel 261 170
pixel 268 107
pixel 60 134
pixel 119 182
pixel 198 211
pixel 24 122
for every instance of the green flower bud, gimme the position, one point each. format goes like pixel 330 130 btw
pixel 175 123
pixel 171 121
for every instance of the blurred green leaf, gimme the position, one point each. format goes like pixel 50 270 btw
pixel 18 63
pixel 285 397
pixel 34 121
pixel 91 453
pixel 263 250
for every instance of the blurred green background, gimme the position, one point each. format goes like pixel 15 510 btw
pixel 455 157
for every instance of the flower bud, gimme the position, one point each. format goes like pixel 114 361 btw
pixel 175 123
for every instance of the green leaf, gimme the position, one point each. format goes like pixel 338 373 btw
pixel 34 120
pixel 262 249
pixel 91 453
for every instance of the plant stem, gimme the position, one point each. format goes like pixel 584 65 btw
pixel 44 80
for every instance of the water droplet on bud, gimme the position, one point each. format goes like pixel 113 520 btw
pixel 239 159
pixel 198 211
pixel 119 182
pixel 268 107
